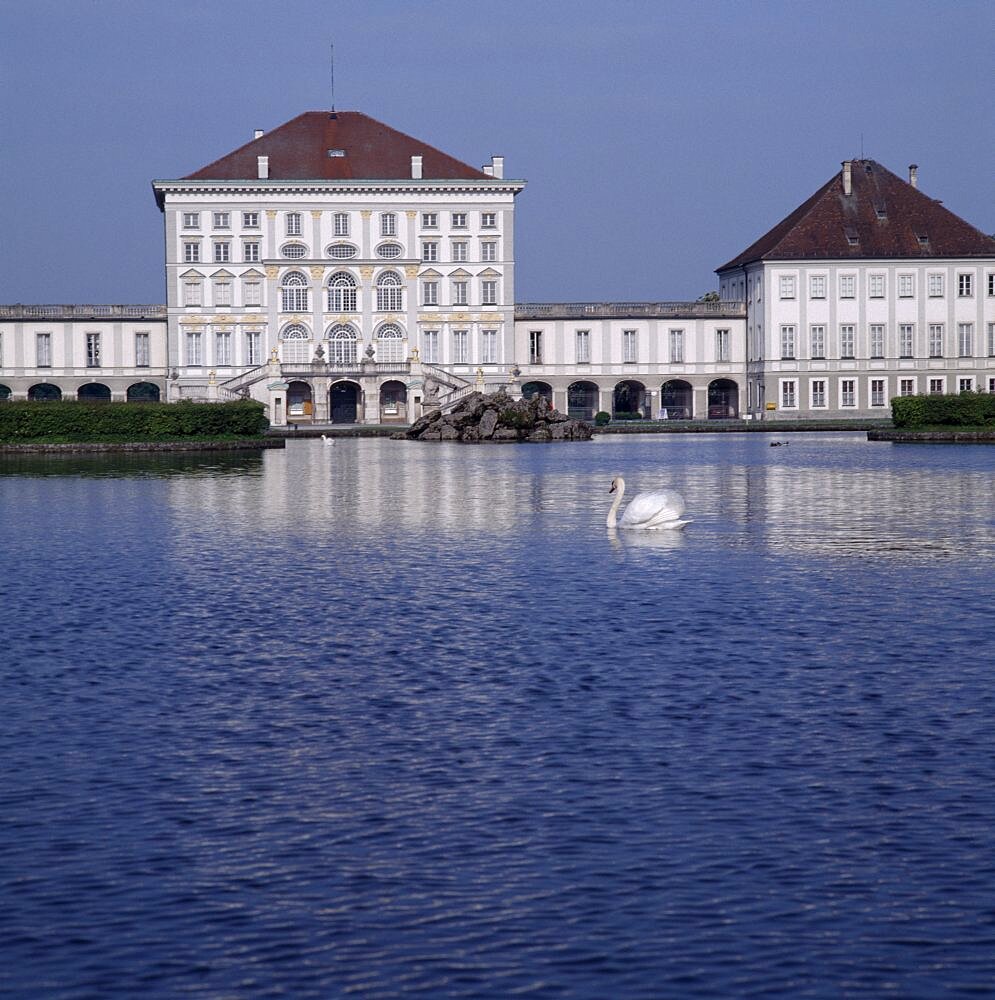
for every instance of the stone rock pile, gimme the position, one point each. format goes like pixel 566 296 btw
pixel 497 417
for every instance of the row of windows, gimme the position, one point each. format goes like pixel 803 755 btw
pixel 221 251
pixel 93 350
pixel 877 341
pixel 630 346
pixel 877 283
pixel 341 221
pixel 847 390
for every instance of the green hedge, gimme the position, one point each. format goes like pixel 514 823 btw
pixel 73 421
pixel 966 409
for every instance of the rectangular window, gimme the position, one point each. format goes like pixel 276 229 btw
pixel 817 286
pixel 253 354
pixel 430 220
pixel 906 334
pixel 677 347
pixel 787 343
pixel 488 250
pixel 488 347
pixel 818 393
pixel 430 346
pixel 488 293
pixel 906 286
pixel 936 340
pixel 340 223
pixel 430 293
pixel 991 283
pixel 459 220
pixel 848 392
pixel 991 340
pixel 222 347
pixel 222 293
pixel 848 286
pixel 388 224
pixel 191 253
pixel 222 220
pixel 460 355
pixel 935 286
pixel 965 385
pixel 192 294
pixel 722 347
pixel 430 251
pixel 459 249
pixel 459 293
pixel 93 350
pixel 583 347
pixel 630 346
pixel 788 394
pixel 818 337
pixel 293 223
pixel 877 391
pixel 965 340
pixel 488 220
pixel 937 386
pixel 786 284
pixel 193 348
pixel 250 253
pixel 535 347
pixel 142 351
pixel 875 286
pixel 847 341
pixel 191 220
pixel 965 285
pixel 877 340
pixel 222 253
pixel 906 387
pixel 252 293
pixel 43 350
pixel 250 220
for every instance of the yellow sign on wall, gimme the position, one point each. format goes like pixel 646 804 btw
pixel 772 406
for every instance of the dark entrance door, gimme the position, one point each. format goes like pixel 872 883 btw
pixel 344 400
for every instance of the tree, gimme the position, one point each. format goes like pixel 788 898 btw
pixel 709 297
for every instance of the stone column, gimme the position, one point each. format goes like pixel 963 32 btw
pixel 700 403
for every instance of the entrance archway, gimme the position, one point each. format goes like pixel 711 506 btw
pixel 393 401
pixel 723 399
pixel 582 400
pixel 93 392
pixel 143 392
pixel 4 392
pixel 300 404
pixel 344 402
pixel 531 389
pixel 677 399
pixel 44 392
pixel 629 397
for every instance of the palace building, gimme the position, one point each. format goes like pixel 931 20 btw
pixel 341 271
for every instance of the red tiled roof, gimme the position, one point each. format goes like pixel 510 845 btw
pixel 299 150
pixel 884 216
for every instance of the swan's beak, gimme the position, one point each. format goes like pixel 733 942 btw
pixel 611 489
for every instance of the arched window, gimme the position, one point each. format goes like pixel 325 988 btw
pixel 341 292
pixel 296 349
pixel 390 343
pixel 341 346
pixel 294 289
pixel 390 293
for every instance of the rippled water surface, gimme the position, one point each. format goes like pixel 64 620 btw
pixel 384 719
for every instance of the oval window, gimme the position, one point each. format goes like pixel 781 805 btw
pixel 294 251
pixel 341 251
pixel 389 250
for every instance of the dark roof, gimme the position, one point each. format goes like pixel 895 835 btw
pixel 299 150
pixel 884 216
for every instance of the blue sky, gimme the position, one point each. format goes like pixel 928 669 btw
pixel 659 139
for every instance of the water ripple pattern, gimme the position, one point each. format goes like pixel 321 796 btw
pixel 396 720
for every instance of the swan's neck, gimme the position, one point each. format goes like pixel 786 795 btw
pixel 613 511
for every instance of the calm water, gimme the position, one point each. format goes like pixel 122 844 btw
pixel 385 719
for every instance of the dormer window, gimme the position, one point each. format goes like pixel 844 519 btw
pixel 881 212
pixel 851 236
pixel 923 239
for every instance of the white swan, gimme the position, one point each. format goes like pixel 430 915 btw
pixel 663 509
pixel 326 439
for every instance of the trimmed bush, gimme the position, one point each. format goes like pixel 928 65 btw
pixel 74 421
pixel 602 419
pixel 626 415
pixel 966 409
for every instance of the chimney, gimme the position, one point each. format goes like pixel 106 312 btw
pixel 258 134
pixel 416 168
pixel 488 169
pixel 848 177
pixel 914 174
pixel 263 165
pixel 497 166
